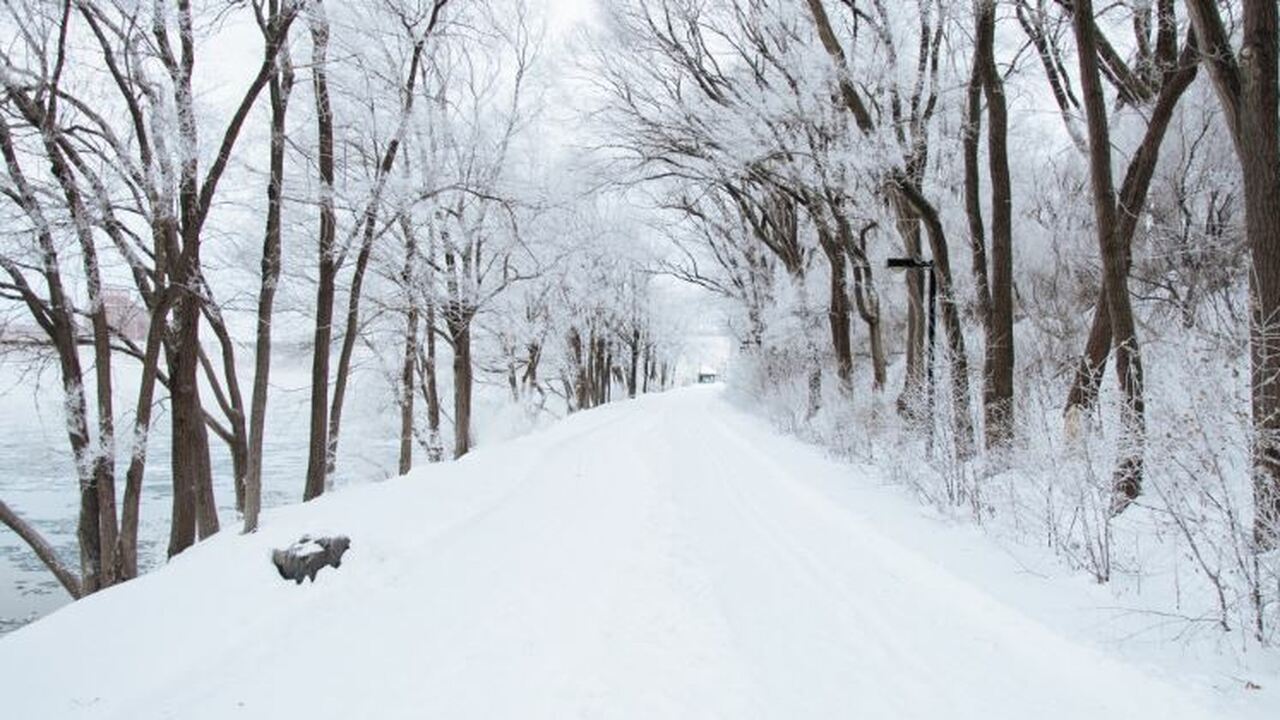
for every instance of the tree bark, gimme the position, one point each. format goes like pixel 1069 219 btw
pixel 408 282
pixel 280 88
pixel 58 321
pixel 1127 480
pixel 999 357
pixel 1246 84
pixel 1178 76
pixel 460 333
pixel 318 443
pixel 838 311
pixel 633 372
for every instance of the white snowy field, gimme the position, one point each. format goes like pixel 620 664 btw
pixel 664 557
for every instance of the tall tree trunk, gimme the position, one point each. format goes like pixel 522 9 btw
pixel 971 136
pixel 343 372
pixel 127 554
pixel 427 362
pixel 1127 481
pixel 318 443
pixel 838 313
pixel 1246 84
pixel 60 325
pixel 280 88
pixel 408 282
pixel 999 357
pixel 1177 78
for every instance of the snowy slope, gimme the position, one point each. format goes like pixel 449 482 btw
pixel 667 557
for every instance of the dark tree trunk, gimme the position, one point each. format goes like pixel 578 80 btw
pixel 866 299
pixel 131 512
pixel 533 356
pixel 1177 77
pixel 1127 481
pixel 59 324
pixel 838 312
pixel 435 449
pixel 318 443
pixel 1246 84
pixel 460 333
pixel 408 282
pixel 634 369
pixel 999 359
pixel 971 136
pixel 280 88
pixel 343 372
pixel 194 509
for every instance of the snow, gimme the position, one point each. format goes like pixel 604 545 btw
pixel 664 557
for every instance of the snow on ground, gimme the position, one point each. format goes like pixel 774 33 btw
pixel 666 557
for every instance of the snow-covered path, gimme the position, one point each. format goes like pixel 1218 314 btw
pixel 663 558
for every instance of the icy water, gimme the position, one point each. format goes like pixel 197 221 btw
pixel 38 482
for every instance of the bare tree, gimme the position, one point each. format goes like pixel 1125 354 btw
pixel 1127 482
pixel 1246 84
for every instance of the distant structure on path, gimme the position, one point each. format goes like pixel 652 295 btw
pixel 707 374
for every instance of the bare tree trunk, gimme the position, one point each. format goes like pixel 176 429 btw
pixel 408 281
pixel 648 367
pixel 280 89
pixel 460 333
pixel 230 400
pixel 581 383
pixel 319 439
pixel 1177 77
pixel 99 464
pixel 127 554
pixel 838 313
pixel 427 363
pixel 634 369
pixel 1127 481
pixel 1246 84
pixel 866 299
pixel 343 372
pixel 999 357
pixel 533 355
pixel 970 137
pixel 59 323
pixel 606 394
